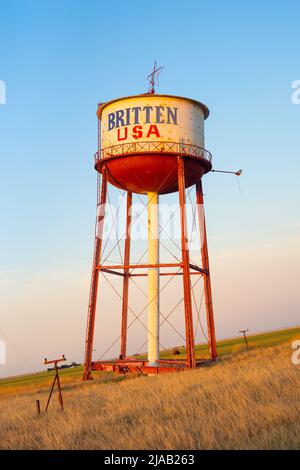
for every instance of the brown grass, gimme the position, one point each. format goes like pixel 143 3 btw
pixel 250 401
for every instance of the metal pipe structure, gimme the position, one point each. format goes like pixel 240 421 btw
pixel 153 280
pixel 205 264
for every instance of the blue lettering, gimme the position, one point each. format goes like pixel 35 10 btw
pixel 147 110
pixel 119 118
pixel 136 110
pixel 127 116
pixel 150 114
pixel 159 119
pixel 111 121
pixel 172 115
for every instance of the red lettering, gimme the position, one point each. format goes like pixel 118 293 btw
pixel 125 133
pixel 137 132
pixel 153 130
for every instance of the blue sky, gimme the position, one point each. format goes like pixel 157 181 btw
pixel 58 59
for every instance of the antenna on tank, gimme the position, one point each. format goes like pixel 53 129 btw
pixel 153 78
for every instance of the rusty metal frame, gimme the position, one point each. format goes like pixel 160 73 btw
pixel 133 365
pixel 161 274
pixel 136 266
pixel 146 265
pixel 125 364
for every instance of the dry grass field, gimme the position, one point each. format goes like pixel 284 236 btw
pixel 245 401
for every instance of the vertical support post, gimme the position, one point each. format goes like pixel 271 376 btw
pixel 205 264
pixel 153 280
pixel 245 338
pixel 60 398
pixel 95 278
pixel 190 345
pixel 123 352
pixel 50 395
pixel 246 341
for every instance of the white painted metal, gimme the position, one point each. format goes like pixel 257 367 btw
pixel 153 280
pixel 133 125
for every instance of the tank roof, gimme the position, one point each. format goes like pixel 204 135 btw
pixel 198 103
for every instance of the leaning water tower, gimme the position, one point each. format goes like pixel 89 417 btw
pixel 151 144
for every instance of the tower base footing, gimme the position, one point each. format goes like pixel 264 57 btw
pixel 131 365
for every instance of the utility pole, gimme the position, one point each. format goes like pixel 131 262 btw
pixel 245 338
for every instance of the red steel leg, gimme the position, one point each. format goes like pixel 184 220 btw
pixel 190 346
pixel 95 278
pixel 205 265
pixel 126 278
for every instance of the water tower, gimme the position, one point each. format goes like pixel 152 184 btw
pixel 151 144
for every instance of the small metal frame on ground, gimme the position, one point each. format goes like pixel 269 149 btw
pixel 56 379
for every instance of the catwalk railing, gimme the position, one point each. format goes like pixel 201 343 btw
pixel 178 148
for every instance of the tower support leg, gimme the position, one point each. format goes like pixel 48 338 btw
pixel 95 278
pixel 153 280
pixel 190 345
pixel 123 351
pixel 205 264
